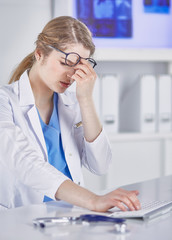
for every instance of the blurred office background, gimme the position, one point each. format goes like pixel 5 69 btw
pixel 133 92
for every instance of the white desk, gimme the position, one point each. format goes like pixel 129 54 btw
pixel 17 223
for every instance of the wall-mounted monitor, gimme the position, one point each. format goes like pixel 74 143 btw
pixel 106 18
pixel 128 29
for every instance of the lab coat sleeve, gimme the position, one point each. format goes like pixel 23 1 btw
pixel 97 155
pixel 19 155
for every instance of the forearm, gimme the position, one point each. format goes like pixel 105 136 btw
pixel 76 195
pixel 91 124
pixel 79 196
pixel 85 78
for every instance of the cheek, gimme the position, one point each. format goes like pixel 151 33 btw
pixel 52 66
pixel 56 68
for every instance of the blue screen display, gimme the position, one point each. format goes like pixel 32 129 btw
pixel 127 23
pixel 106 18
pixel 157 6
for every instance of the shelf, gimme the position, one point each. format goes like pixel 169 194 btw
pixel 123 137
pixel 114 54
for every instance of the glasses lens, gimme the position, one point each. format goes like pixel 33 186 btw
pixel 72 59
pixel 92 62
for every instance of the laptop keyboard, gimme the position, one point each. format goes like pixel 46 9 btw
pixel 146 208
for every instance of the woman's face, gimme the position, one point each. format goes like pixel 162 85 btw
pixel 53 74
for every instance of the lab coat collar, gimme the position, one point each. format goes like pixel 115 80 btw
pixel 66 98
pixel 25 91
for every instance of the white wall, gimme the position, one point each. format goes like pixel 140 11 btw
pixel 20 23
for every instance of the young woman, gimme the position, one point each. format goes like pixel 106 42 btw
pixel 48 133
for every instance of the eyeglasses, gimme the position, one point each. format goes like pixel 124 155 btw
pixel 72 58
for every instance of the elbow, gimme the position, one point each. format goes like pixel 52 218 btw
pixel 100 164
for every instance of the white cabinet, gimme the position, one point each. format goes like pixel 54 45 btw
pixel 168 156
pixel 136 157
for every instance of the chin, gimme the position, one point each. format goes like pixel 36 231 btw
pixel 60 90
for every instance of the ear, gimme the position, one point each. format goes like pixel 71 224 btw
pixel 38 54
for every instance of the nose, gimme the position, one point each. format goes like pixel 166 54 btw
pixel 69 77
pixel 70 71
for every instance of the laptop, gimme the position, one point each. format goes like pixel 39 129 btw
pixel 148 210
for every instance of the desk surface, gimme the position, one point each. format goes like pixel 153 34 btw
pixel 17 223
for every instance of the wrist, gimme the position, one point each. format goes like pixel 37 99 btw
pixel 76 195
pixel 92 204
pixel 85 101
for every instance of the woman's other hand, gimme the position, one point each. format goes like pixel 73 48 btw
pixel 85 78
pixel 121 198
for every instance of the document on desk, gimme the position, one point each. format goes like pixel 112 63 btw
pixel 148 211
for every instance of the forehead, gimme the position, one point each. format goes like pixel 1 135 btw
pixel 79 49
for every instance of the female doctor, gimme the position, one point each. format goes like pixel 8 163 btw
pixel 48 133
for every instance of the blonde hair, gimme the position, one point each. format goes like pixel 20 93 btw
pixel 59 32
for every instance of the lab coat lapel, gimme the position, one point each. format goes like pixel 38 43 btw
pixel 67 118
pixel 35 122
pixel 66 115
pixel 27 100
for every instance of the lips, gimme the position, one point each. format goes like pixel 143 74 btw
pixel 65 84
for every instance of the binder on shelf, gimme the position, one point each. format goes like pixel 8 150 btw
pixel 110 102
pixel 164 103
pixel 138 106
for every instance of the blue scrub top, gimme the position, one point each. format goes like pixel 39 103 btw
pixel 52 136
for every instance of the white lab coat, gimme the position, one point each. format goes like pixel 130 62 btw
pixel 25 174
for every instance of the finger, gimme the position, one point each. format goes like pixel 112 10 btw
pixel 81 74
pixel 135 201
pixel 119 205
pixel 86 62
pixel 132 196
pixel 136 192
pixel 125 200
pixel 85 66
pixel 76 78
pixel 81 70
